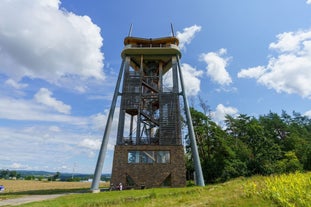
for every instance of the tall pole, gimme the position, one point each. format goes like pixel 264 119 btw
pixel 103 148
pixel 130 31
pixel 194 147
pixel 172 29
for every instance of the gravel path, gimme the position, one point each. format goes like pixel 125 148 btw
pixel 28 199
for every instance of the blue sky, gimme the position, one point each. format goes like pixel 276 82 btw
pixel 59 61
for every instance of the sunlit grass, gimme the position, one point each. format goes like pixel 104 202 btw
pixel 290 190
pixel 227 194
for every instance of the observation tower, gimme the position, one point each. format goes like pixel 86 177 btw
pixel 149 151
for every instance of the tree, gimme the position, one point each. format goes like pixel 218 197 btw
pixel 256 142
pixel 5 174
pixel 214 150
pixel 289 163
pixel 247 145
pixel 56 176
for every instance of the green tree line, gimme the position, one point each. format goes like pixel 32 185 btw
pixel 6 174
pixel 246 145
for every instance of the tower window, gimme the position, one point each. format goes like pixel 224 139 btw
pixel 149 157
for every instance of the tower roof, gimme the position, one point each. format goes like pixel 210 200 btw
pixel 153 41
pixel 151 46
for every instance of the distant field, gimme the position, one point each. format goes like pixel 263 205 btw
pixel 13 186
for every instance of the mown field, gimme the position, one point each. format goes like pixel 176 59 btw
pixel 13 186
pixel 287 190
pixel 18 188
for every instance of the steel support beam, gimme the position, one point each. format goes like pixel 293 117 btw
pixel 103 148
pixel 194 147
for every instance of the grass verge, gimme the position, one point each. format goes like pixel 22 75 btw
pixel 231 193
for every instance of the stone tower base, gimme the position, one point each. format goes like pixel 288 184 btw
pixel 150 169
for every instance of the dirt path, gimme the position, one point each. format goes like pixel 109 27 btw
pixel 28 199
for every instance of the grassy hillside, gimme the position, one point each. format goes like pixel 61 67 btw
pixel 285 190
pixel 228 194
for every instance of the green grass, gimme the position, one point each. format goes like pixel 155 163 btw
pixel 288 190
pixel 292 190
pixel 228 194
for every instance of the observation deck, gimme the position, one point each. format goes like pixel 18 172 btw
pixel 156 46
pixel 159 49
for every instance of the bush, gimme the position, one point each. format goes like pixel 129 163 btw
pixel 289 164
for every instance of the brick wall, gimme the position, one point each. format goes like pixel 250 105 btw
pixel 149 174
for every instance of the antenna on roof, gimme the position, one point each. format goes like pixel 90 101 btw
pixel 172 29
pixel 130 31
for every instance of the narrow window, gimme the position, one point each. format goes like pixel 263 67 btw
pixel 163 157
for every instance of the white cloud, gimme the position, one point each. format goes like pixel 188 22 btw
pixel 19 166
pixel 51 3
pixel 44 96
pixel 191 79
pixel 252 72
pixel 38 39
pixel 90 143
pixel 54 129
pixel 30 110
pixel 308 1
pixel 216 66
pixel 78 137
pixel 14 84
pixel 56 149
pixel 290 70
pixel 290 41
pixel 98 122
pixel 80 89
pixel 185 37
pixel 221 111
pixel 307 113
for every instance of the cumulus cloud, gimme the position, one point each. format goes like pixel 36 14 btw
pixel 38 39
pixel 54 129
pixel 308 1
pixel 185 37
pixel 216 66
pixel 307 113
pixel 221 111
pixel 191 79
pixel 51 147
pixel 93 144
pixel 71 140
pixel 252 72
pixel 99 120
pixel 290 70
pixel 31 110
pixel 14 84
pixel 19 166
pixel 44 96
